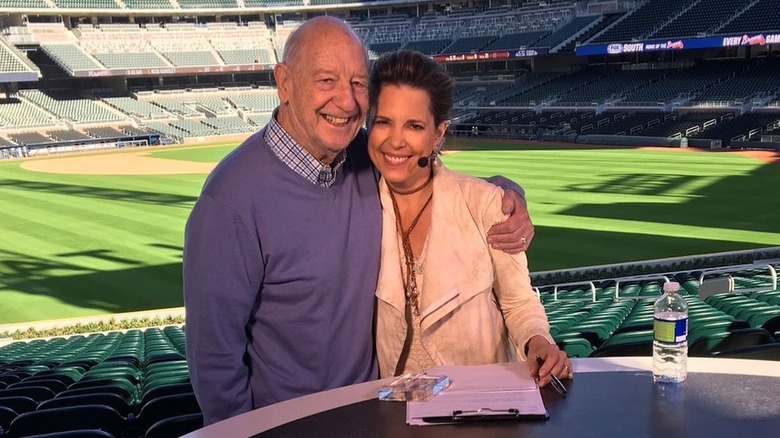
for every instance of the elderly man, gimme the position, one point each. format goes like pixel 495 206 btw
pixel 282 248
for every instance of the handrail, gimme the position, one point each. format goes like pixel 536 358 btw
pixel 592 289
pixel 732 269
pixel 636 278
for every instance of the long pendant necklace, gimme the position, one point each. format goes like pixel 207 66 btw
pixel 410 282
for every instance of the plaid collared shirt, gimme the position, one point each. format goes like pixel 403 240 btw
pixel 299 159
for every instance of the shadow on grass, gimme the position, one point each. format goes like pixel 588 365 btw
pixel 739 202
pixel 562 248
pixel 134 196
pixel 138 287
pixel 134 288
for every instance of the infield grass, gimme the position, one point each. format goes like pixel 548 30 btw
pixel 75 245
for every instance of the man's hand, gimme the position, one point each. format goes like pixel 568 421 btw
pixel 514 234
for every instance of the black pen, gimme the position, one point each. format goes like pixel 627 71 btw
pixel 555 381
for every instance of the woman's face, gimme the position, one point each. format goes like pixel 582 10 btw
pixel 403 131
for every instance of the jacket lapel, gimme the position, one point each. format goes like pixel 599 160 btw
pixel 457 264
pixel 390 286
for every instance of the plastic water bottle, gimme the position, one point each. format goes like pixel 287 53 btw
pixel 670 336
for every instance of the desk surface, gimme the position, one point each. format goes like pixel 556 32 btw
pixel 608 397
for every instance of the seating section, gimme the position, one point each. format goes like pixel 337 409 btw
pixel 615 318
pixel 70 57
pixel 68 106
pixel 121 383
pixel 148 4
pixel 642 20
pixel 10 62
pixel 15 113
pixel 87 4
pixel 568 31
pixel 137 108
pixel 755 82
pixel 702 17
pixel 130 384
pixel 201 4
pixel 762 16
pixel 24 4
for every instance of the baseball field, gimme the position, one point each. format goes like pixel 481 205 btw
pixel 92 234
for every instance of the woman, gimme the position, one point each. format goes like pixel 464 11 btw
pixel 444 295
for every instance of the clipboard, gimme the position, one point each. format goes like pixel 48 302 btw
pixel 496 392
pixel 486 414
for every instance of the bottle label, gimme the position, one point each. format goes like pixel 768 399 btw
pixel 671 331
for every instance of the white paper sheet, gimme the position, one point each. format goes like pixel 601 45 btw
pixel 487 389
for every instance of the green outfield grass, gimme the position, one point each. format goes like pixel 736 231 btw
pixel 74 245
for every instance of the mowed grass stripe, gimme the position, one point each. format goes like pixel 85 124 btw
pixel 590 207
pixel 93 219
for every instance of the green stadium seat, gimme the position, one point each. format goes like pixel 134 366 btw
pixel 122 384
pixel 756 352
pixel 127 395
pixel 772 326
pixel 717 342
pixel 54 385
pixel 81 433
pixel 628 348
pixel 761 317
pixel 19 404
pixel 167 406
pixel 575 346
pixel 67 375
pixel 8 379
pixel 37 393
pixel 161 390
pixel 113 401
pixel 66 419
pixel 175 426
pixel 7 415
pixel 709 328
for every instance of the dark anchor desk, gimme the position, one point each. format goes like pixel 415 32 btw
pixel 610 397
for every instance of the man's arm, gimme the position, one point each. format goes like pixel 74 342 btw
pixel 221 260
pixel 514 234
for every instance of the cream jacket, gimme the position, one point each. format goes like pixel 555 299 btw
pixel 476 303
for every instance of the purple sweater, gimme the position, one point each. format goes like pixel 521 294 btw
pixel 279 280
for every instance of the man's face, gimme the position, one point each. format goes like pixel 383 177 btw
pixel 324 93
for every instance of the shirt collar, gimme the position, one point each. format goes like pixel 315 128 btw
pixel 297 158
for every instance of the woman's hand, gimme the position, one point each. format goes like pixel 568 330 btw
pixel 555 361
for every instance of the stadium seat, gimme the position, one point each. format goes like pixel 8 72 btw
pixel 67 419
pixel 575 346
pixel 113 401
pixel 763 317
pixel 19 405
pixel 120 382
pixel 81 433
pixel 627 348
pixel 126 394
pixel 163 390
pixel 10 378
pixel 37 393
pixel 7 415
pixel 66 376
pixel 718 342
pixel 757 352
pixel 175 426
pixel 54 385
pixel 167 406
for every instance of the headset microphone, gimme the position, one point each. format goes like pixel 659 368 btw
pixel 423 162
